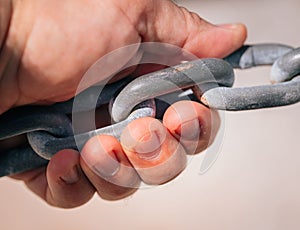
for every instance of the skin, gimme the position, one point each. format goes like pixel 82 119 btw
pixel 149 150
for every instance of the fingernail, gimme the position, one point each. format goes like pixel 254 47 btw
pixel 72 176
pixel 230 26
pixel 107 165
pixel 149 146
pixel 189 130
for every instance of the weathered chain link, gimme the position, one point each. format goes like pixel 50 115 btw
pixel 285 68
pixel 210 70
pixel 49 129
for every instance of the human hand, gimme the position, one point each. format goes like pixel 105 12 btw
pixel 51 44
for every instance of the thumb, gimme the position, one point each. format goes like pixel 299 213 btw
pixel 168 23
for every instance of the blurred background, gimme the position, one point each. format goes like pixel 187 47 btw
pixel 254 183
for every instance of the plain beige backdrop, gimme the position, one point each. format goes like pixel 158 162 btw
pixel 253 185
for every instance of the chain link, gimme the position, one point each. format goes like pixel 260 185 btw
pixel 285 68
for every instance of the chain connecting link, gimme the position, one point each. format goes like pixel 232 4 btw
pixel 285 68
pixel 49 129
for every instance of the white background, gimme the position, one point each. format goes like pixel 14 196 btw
pixel 254 184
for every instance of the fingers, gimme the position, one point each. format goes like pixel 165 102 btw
pixel 158 151
pixel 193 124
pixel 151 151
pixel 68 187
pixel 108 169
pixel 164 21
pixel 155 154
pixel 63 184
pixel 189 31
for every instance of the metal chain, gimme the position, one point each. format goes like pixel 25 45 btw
pixel 285 68
pixel 49 129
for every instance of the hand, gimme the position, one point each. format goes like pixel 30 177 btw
pixel 51 44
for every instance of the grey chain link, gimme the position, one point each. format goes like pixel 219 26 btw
pixel 49 129
pixel 285 68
